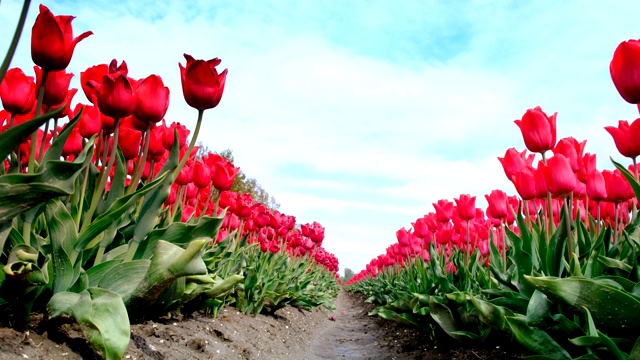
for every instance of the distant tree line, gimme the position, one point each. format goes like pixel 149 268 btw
pixel 243 184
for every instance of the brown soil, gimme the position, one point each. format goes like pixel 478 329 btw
pixel 290 334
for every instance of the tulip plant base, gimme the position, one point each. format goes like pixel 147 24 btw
pixel 348 332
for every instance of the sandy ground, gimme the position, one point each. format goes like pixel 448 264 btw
pixel 290 334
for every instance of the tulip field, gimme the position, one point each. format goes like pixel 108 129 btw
pixel 111 216
pixel 108 216
pixel 555 269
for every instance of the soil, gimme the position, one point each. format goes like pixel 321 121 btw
pixel 289 334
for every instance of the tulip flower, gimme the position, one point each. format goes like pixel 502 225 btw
pixel 626 138
pixel 56 85
pixel 625 70
pixel 201 174
pixel 572 150
pixel 115 95
pixel 560 178
pixel 129 142
pixel 538 130
pixel 514 162
pixel 466 206
pixel 596 186
pixel 444 210
pixel 202 85
pixel 52 41
pixel 525 183
pixel 152 99
pixel 223 174
pixel 497 201
pixel 17 92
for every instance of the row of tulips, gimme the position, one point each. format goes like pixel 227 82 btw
pixel 112 217
pixel 555 268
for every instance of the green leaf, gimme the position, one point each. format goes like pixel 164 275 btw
pixel 443 316
pixel 615 263
pixel 115 211
pixel 612 308
pixel 168 263
pixel 102 316
pixel 491 314
pixel 11 138
pixel 535 339
pixel 538 308
pixel 62 236
pixel 120 277
pixel 55 150
pixel 21 192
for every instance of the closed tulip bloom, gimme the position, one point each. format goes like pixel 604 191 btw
pixel 525 183
pixel 626 137
pixel 115 95
pixel 56 86
pixel 515 161
pixel 538 130
pixel 596 186
pixel 201 175
pixel 497 201
pixel 560 178
pixel 129 142
pixel 618 188
pixel 572 150
pixel 421 229
pixel 168 135
pixel 202 85
pixel 466 206
pixel 625 70
pixel 17 92
pixel 52 41
pixel 73 145
pixel 223 173
pixel 152 99
pixel 444 210
pixel 588 165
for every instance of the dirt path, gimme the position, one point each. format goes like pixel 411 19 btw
pixel 355 335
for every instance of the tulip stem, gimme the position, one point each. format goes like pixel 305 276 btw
pixel 141 162
pixel 191 145
pixel 44 139
pixel 81 202
pixel 34 135
pixel 102 179
pixel 14 42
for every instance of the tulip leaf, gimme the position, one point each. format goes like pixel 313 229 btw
pixel 538 309
pixel 116 191
pixel 614 263
pixel 62 236
pixel 535 339
pixel 169 262
pixel 124 277
pixel 115 211
pixel 102 316
pixel 21 192
pixel 611 307
pixel 179 233
pixel 11 138
pixel 55 150
pixel 491 314
pixel 443 316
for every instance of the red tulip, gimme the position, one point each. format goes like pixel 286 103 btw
pixel 572 150
pixel 588 165
pixel 444 210
pixel 466 206
pixel 559 176
pixel 73 145
pixel 497 201
pixel 514 162
pixel 156 149
pixel 56 86
pixel 223 173
pixel 115 95
pixel 421 229
pixel 52 41
pixel 17 92
pixel 625 70
pixel 596 186
pixel 129 142
pixel 152 99
pixel 618 188
pixel 525 183
pixel 94 73
pixel 626 137
pixel 538 130
pixel 202 86
pixel 201 174
pixel 168 136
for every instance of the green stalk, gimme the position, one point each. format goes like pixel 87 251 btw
pixel 14 42
pixel 191 145
pixel 102 179
pixel 81 204
pixel 44 139
pixel 567 214
pixel 133 185
pixel 34 136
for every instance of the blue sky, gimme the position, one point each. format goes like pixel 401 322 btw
pixel 361 114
